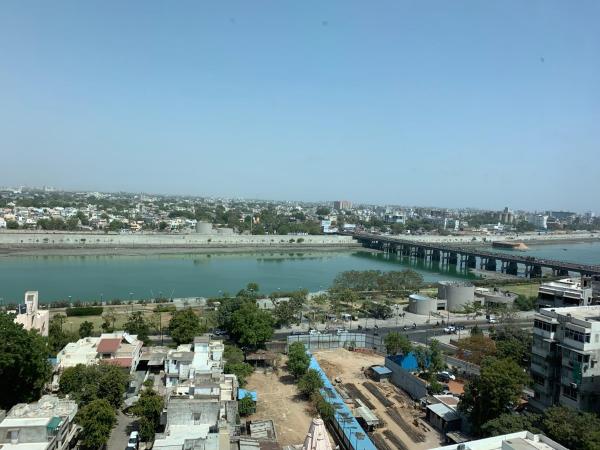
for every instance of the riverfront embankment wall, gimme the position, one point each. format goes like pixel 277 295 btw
pixel 35 239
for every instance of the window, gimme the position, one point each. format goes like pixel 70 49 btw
pixel 540 324
pixel 577 335
pixel 570 392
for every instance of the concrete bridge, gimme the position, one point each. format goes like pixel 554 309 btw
pixel 468 257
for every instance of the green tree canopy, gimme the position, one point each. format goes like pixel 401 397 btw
pixel 241 370
pixel 246 405
pixel 251 326
pixel 88 383
pixel 298 359
pixel 310 383
pixel 24 367
pixel 572 429
pixel 396 342
pixel 57 337
pixel 86 328
pixel 494 392
pixel 185 326
pixel 148 408
pixel 511 423
pixel 97 419
pixel 137 325
pixel 233 354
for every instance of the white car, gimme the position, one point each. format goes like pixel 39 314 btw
pixel 450 330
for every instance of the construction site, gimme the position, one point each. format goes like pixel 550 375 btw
pixel 393 419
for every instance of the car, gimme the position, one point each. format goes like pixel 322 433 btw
pixel 492 320
pixel 341 331
pixel 450 330
pixel 446 376
pixel 134 440
pixel 314 332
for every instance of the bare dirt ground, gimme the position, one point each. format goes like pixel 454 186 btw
pixel 278 400
pixel 348 367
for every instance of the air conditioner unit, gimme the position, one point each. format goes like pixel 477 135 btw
pixel 574 385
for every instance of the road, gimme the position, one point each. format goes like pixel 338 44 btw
pixel 120 433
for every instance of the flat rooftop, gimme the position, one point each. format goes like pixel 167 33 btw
pixel 587 313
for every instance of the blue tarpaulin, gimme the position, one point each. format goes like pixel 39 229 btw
pixel 243 392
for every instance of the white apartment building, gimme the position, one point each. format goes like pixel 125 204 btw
pixel 202 357
pixel 521 440
pixel 564 359
pixel 565 292
pixel 44 425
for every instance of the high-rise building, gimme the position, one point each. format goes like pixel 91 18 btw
pixel 564 358
pixel 342 204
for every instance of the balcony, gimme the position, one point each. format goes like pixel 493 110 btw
pixel 542 369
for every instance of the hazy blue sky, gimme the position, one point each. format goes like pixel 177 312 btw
pixel 448 103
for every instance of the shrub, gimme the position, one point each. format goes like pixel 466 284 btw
pixel 85 311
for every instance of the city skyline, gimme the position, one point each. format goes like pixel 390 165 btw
pixel 432 104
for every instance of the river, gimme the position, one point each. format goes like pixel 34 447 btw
pixel 89 278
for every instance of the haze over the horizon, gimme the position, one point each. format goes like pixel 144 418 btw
pixel 465 103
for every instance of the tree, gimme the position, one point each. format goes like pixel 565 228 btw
pixel 12 225
pixel 513 342
pixel 86 328
pixel 436 358
pixel 298 359
pixel 395 342
pixel 572 429
pixel 494 392
pixel 97 420
pixel 251 326
pixel 252 287
pixel 149 409
pixel 57 337
pixel 137 325
pixel 511 423
pixel 24 367
pixel 285 313
pixel 233 355
pixel 109 318
pixel 88 383
pixel 185 326
pixel 246 405
pixel 310 383
pixel 241 370
pixel 323 407
pixel 322 211
pixel 476 347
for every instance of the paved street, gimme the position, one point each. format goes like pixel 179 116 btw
pixel 120 433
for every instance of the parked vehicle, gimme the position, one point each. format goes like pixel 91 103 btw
pixel 450 330
pixel 134 441
pixel 445 376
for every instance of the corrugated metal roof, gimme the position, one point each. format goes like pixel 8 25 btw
pixel 380 370
pixel 441 410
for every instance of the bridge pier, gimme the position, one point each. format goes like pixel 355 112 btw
pixel 560 272
pixel 512 268
pixel 490 264
pixel 452 258
pixel 471 261
pixel 435 255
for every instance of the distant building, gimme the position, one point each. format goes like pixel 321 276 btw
pixel 565 358
pixel 565 292
pixel 44 425
pixel 521 440
pixel 539 221
pixel 342 204
pixel 31 317
pixel 507 216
